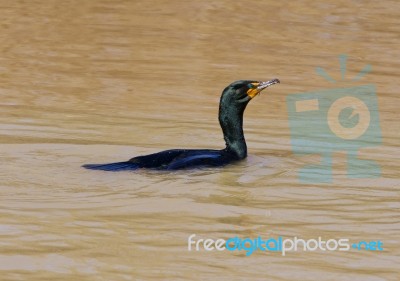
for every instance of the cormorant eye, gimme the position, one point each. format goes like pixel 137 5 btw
pixel 251 86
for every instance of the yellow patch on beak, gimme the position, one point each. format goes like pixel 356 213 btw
pixel 252 92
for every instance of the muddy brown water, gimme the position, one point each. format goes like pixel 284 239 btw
pixel 102 81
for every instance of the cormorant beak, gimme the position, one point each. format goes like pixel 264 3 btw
pixel 259 86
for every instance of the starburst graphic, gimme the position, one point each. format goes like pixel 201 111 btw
pixel 343 66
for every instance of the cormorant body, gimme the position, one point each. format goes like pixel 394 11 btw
pixel 234 100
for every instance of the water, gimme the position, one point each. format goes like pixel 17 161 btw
pixel 102 81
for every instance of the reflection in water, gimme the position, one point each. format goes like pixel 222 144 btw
pixel 102 81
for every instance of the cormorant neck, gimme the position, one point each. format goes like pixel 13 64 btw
pixel 231 121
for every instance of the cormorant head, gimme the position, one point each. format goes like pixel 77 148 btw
pixel 242 91
pixel 233 102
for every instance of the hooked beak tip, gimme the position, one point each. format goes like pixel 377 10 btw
pixel 266 84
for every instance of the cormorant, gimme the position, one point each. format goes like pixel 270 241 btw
pixel 234 100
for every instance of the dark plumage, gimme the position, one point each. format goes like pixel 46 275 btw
pixel 234 100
